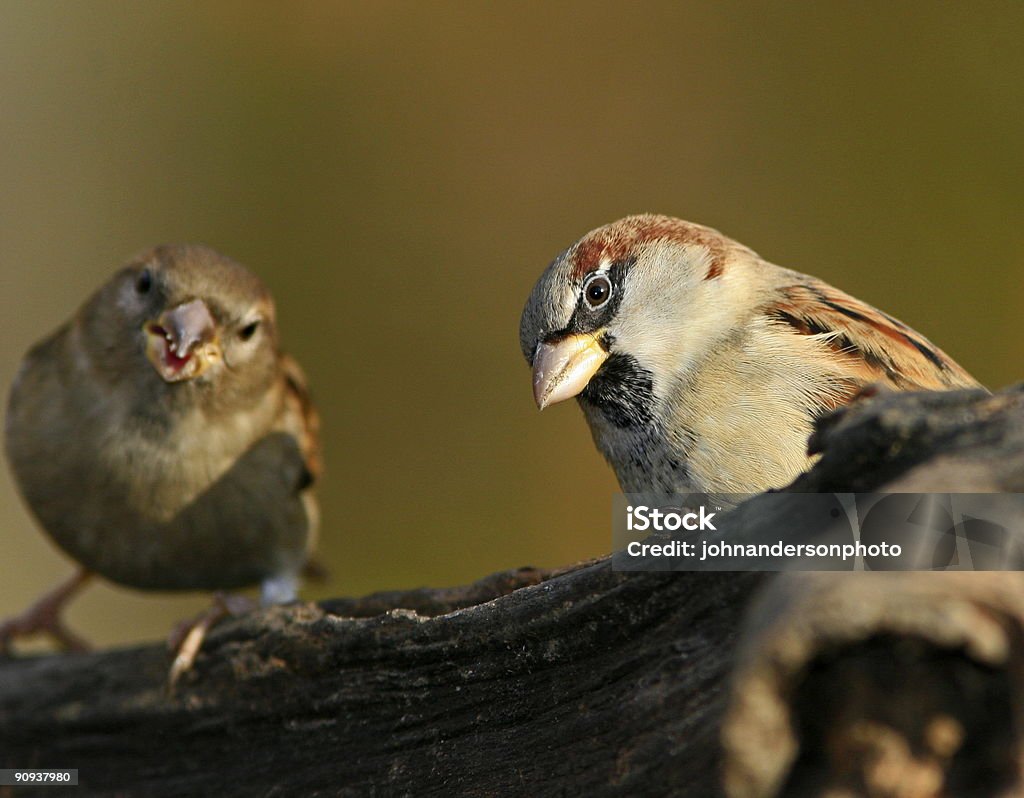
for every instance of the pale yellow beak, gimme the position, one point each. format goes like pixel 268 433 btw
pixel 563 368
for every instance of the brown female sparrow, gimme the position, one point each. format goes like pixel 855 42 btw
pixel 699 365
pixel 163 440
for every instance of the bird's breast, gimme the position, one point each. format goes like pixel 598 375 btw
pixel 159 476
pixel 738 424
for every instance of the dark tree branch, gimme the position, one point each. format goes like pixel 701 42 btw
pixel 591 678
pixel 588 681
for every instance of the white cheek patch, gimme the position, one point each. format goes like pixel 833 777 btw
pixel 671 317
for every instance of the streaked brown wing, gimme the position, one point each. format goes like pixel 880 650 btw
pixel 301 417
pixel 878 347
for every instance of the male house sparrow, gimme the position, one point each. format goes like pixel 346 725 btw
pixel 163 440
pixel 700 366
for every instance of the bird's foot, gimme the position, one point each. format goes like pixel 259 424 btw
pixel 187 638
pixel 44 617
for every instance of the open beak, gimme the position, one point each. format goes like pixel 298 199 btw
pixel 561 369
pixel 182 343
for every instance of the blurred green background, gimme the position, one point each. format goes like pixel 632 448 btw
pixel 401 173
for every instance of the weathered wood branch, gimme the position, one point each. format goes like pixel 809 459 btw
pixel 589 681
pixel 890 684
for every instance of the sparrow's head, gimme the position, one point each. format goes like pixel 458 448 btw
pixel 183 314
pixel 630 308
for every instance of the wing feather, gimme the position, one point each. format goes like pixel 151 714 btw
pixel 300 416
pixel 876 348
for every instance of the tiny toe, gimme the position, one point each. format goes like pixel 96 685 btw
pixel 44 617
pixel 187 652
pixel 187 638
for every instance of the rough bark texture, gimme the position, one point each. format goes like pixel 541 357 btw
pixel 588 681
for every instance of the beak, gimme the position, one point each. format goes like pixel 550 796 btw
pixel 562 369
pixel 182 343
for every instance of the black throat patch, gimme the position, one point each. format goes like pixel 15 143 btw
pixel 622 391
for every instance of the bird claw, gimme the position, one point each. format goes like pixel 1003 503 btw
pixel 188 637
pixel 44 617
pixel 33 622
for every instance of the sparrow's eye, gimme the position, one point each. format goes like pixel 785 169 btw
pixel 144 281
pixel 597 291
pixel 249 330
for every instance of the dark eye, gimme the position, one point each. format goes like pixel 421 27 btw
pixel 144 281
pixel 597 291
pixel 249 330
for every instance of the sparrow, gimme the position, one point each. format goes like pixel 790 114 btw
pixel 163 440
pixel 702 367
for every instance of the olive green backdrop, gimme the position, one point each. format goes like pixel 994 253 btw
pixel 400 173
